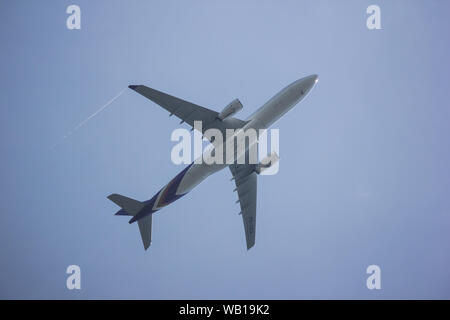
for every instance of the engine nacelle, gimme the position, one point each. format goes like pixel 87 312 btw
pixel 230 109
pixel 267 162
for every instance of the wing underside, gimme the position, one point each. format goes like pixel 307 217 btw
pixel 188 112
pixel 246 186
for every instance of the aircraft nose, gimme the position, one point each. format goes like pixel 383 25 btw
pixel 307 83
pixel 304 85
pixel 313 79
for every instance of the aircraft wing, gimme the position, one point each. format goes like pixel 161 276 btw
pixel 188 112
pixel 246 187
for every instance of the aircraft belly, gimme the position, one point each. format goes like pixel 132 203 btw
pixel 196 174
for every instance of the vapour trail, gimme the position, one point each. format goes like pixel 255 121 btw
pixel 82 123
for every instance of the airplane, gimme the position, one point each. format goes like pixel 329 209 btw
pixel 244 175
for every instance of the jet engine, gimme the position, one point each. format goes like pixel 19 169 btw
pixel 267 162
pixel 233 107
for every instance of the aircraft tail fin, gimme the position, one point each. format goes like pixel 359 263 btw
pixel 131 207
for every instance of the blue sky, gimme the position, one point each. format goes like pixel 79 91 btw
pixel 364 170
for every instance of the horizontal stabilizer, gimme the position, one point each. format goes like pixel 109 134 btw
pixel 145 228
pixel 131 207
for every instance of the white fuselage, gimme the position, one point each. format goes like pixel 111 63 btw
pixel 262 118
